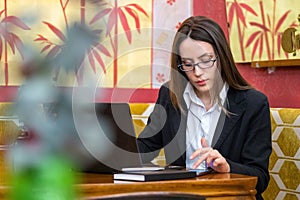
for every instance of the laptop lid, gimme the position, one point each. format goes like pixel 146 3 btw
pixel 118 135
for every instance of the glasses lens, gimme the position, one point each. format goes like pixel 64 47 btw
pixel 187 67
pixel 206 64
pixel 191 66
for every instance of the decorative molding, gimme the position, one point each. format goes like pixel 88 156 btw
pixel 276 63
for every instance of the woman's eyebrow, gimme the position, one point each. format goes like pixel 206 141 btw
pixel 205 54
pixel 182 58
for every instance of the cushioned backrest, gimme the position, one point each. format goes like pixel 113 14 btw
pixel 285 158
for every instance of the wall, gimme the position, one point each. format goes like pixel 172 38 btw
pixel 282 86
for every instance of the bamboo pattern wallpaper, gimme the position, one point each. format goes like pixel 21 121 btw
pixel 256 28
pixel 133 50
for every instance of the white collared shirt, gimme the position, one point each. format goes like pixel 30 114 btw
pixel 200 123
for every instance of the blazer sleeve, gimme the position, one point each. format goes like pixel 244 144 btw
pixel 150 140
pixel 257 144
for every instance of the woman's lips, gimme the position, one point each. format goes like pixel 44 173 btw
pixel 201 82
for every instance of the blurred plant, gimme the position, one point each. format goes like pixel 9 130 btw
pixel 44 161
pixel 7 37
pixel 93 52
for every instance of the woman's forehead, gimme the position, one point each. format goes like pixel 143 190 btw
pixel 194 48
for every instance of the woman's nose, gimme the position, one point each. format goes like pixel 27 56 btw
pixel 197 70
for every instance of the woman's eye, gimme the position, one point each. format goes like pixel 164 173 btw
pixel 205 61
pixel 188 64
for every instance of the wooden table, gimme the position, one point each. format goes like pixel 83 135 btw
pixel 212 186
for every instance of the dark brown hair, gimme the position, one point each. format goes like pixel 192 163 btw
pixel 203 29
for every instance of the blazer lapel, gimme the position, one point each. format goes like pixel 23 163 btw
pixel 236 105
pixel 179 121
pixel 182 133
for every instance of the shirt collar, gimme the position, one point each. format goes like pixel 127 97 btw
pixel 189 95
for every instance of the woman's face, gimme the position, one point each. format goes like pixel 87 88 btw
pixel 192 52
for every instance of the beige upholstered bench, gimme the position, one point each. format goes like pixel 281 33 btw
pixel 284 161
pixel 285 158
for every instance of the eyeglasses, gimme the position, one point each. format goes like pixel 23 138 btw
pixel 186 67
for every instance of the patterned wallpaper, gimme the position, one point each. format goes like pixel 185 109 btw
pixel 133 49
pixel 256 28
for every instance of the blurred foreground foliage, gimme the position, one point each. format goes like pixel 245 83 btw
pixel 43 162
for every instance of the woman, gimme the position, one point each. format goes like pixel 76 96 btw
pixel 207 114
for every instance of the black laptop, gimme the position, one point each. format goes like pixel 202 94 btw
pixel 105 140
pixel 116 137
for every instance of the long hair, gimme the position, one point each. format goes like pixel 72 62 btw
pixel 201 28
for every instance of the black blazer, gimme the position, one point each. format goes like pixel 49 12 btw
pixel 245 139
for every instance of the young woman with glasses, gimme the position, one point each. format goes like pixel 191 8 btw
pixel 207 115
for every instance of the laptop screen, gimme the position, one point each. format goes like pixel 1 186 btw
pixel 116 121
pixel 117 133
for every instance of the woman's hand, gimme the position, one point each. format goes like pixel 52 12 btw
pixel 212 157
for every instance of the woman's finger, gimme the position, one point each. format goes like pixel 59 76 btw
pixel 216 161
pixel 201 159
pixel 199 152
pixel 204 142
pixel 196 154
pixel 214 154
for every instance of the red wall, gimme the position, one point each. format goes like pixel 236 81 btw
pixel 281 86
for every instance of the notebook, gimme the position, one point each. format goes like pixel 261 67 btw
pixel 116 122
pixel 168 174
